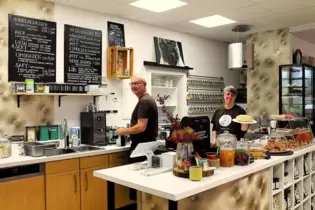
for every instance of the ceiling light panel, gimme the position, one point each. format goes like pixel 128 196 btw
pixel 158 5
pixel 213 21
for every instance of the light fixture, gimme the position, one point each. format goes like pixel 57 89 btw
pixel 158 5
pixel 213 21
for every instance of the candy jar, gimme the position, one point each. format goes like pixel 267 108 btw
pixel 242 153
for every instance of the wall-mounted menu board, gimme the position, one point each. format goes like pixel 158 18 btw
pixel 82 55
pixel 32 49
pixel 116 34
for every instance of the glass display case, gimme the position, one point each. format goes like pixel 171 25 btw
pixel 296 91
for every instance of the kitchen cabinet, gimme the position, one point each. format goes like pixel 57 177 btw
pixel 93 190
pixel 23 194
pixel 63 191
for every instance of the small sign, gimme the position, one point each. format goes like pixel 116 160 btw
pixel 116 34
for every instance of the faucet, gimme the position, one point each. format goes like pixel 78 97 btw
pixel 65 133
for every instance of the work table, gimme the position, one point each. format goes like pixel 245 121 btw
pixel 172 188
pixel 26 160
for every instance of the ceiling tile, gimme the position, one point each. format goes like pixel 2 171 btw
pixel 221 5
pixel 246 13
pixel 186 13
pixel 285 6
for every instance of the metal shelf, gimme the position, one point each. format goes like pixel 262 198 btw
pixel 19 95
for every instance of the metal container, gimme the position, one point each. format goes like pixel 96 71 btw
pixel 36 149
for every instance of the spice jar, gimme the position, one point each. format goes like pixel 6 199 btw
pixel 242 153
pixel 227 149
pixel 276 182
pixel 5 147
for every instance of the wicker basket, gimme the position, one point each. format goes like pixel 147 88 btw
pixel 214 163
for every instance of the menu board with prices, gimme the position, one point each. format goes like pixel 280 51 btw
pixel 32 49
pixel 116 34
pixel 82 55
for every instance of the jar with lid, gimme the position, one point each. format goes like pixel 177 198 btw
pixel 227 149
pixel 242 153
pixel 5 147
pixel 17 145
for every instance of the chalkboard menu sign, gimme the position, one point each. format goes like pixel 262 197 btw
pixel 32 49
pixel 116 34
pixel 83 55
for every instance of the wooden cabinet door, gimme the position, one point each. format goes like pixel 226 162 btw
pixel 63 191
pixel 24 194
pixel 93 190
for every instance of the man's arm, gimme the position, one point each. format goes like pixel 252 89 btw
pixel 137 128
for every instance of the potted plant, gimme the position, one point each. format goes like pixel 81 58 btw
pixel 183 136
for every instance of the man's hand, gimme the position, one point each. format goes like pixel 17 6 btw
pixel 120 131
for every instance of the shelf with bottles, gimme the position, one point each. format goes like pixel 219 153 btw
pixel 278 178
pixel 288 173
pixel 306 188
pixel 298 194
pixel 298 169
pixel 288 198
pixel 277 202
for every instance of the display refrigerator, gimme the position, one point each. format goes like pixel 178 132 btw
pixel 296 91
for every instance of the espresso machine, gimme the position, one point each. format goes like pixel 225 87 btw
pixel 93 128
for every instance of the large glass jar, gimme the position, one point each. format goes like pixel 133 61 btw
pixel 227 149
pixel 5 147
pixel 242 153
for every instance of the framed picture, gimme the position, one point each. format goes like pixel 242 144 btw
pixel 168 52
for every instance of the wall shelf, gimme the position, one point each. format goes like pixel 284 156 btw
pixel 19 95
pixel 154 64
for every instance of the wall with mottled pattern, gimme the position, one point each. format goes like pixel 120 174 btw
pixel 33 110
pixel 272 48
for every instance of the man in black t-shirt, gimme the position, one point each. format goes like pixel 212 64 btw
pixel 222 117
pixel 144 118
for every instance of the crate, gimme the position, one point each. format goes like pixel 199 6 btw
pixel 119 62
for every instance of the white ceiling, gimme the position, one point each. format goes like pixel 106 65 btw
pixel 261 15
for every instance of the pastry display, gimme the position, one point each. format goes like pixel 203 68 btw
pixel 281 116
pixel 244 118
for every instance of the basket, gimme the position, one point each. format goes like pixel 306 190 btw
pixel 214 163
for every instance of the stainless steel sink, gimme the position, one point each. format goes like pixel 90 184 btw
pixel 86 148
pixel 60 151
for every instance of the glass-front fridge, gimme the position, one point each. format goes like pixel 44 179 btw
pixel 296 91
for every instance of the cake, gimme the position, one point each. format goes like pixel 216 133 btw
pixel 244 118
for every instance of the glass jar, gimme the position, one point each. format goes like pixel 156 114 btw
pixel 256 150
pixel 5 147
pixel 242 153
pixel 17 146
pixel 227 149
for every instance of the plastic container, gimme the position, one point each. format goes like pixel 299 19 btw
pixel 242 153
pixel 5 147
pixel 17 146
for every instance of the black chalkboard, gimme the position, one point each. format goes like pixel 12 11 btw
pixel 116 34
pixel 82 55
pixel 32 49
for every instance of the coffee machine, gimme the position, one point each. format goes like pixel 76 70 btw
pixel 93 128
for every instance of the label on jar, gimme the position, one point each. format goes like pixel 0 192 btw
pixel 277 185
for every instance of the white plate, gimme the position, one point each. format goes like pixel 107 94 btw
pixel 252 122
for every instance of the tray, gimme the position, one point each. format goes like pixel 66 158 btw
pixel 284 153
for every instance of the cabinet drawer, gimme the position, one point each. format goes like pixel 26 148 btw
pixel 62 166
pixel 119 157
pixel 94 161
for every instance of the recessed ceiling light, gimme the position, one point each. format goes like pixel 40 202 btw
pixel 212 21
pixel 158 5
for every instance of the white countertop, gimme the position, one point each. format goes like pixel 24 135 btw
pixel 174 188
pixel 26 160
